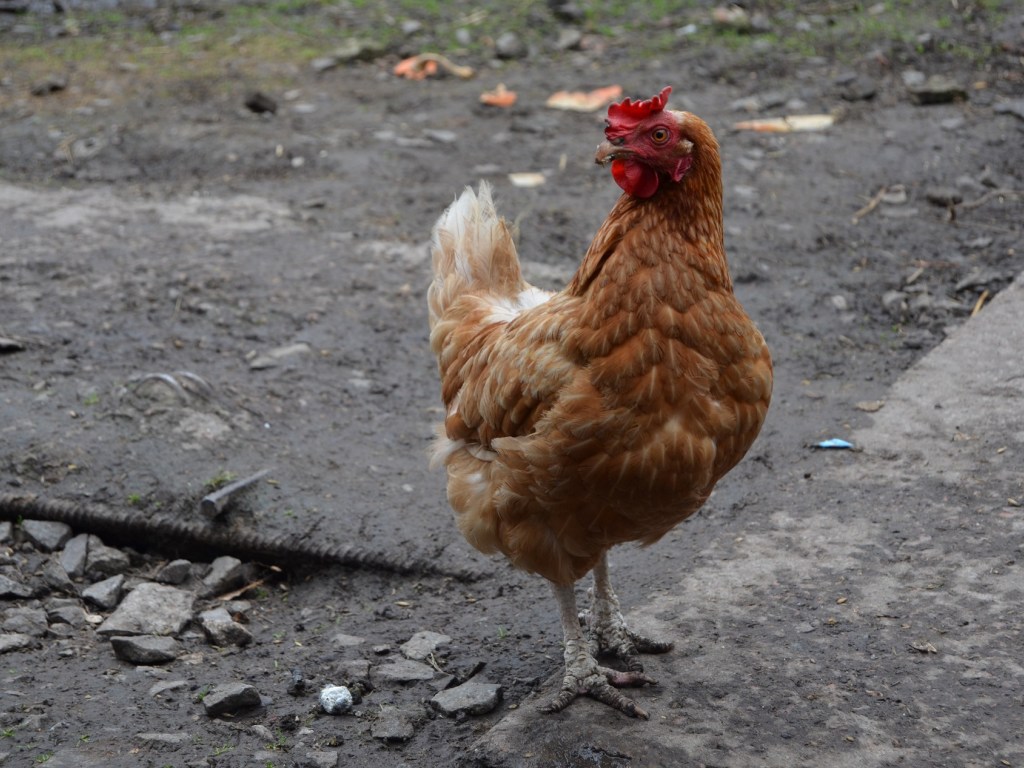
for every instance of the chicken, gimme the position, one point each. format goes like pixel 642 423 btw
pixel 604 413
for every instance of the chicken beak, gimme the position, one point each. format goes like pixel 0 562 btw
pixel 606 152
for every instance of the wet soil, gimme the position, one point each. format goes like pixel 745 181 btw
pixel 282 259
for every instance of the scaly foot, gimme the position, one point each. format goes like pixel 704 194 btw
pixel 585 677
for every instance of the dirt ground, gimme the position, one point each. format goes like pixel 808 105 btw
pixel 282 258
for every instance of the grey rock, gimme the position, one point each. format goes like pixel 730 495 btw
pixel 569 39
pixel 72 558
pixel 65 612
pixel 1013 107
pixel 163 739
pixel 45 534
pixel 222 630
pixel 894 302
pixel 102 560
pixel 422 644
pixel 150 609
pixel 25 621
pixel 225 574
pixel 403 671
pixel 355 671
pixel 937 89
pixel 229 698
pixel 510 46
pixel 392 725
pixel 6 532
pixel 9 588
pixel 145 649
pixel 56 578
pixel 469 698
pixel 335 699
pixel 15 641
pixel 105 594
pixel 166 686
pixel 358 49
pixel 318 759
pixel 345 641
pixel 861 88
pixel 175 572
pixel 411 26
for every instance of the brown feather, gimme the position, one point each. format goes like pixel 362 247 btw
pixel 608 412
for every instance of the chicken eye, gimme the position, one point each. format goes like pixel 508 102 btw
pixel 659 135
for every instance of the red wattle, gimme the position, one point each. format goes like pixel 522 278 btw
pixel 635 178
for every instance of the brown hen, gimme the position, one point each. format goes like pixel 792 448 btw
pixel 604 413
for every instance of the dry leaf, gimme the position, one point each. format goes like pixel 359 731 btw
pixel 579 101
pixel 426 64
pixel 499 97
pixel 787 124
pixel 870 406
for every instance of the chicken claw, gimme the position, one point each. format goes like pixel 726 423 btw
pixel 608 627
pixel 584 677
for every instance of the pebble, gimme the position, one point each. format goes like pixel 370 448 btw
pixel 15 641
pixel 335 699
pixel 225 574
pixel 46 535
pixel 1013 107
pixel 469 698
pixel 73 557
pixel 146 649
pixel 569 39
pixel 423 644
pixel 222 630
pixel 392 725
pixel 346 641
pixel 403 671
pixel 15 589
pixel 25 621
pixel 510 46
pixel 175 572
pixel 150 609
pixel 6 532
pixel 164 739
pixel 105 594
pixel 260 103
pixel 937 89
pixel 103 560
pixel 229 698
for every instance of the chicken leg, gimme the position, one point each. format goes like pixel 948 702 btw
pixel 608 627
pixel 583 675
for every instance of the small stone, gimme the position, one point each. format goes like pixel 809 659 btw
pixel 324 63
pixel 45 534
pixel 49 85
pixel 346 641
pixel 357 49
pixel 56 578
pixel 1013 107
pixel 423 644
pixel 222 630
pixel 146 649
pixel 65 612
pixel 103 560
pixel 937 89
pixel 839 302
pixel 894 302
pixel 225 574
pixel 174 740
pixel 392 725
pixel 404 671
pixel 229 698
pixel 25 621
pixel 411 26
pixel 569 39
pixel 150 609
pixel 319 758
pixel 335 699
pixel 355 672
pixel 861 88
pixel 175 572
pixel 9 588
pixel 166 686
pixel 6 532
pixel 73 557
pixel 469 698
pixel 259 103
pixel 15 641
pixel 510 46
pixel 105 594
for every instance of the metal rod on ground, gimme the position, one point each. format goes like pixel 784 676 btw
pixel 213 504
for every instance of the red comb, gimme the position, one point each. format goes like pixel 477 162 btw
pixel 624 116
